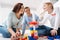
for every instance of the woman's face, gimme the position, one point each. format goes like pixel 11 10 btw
pixel 21 12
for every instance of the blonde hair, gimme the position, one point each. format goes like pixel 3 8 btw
pixel 49 4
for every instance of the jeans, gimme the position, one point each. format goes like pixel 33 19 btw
pixel 44 30
pixel 4 32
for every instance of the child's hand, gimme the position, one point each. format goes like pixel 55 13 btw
pixel 53 32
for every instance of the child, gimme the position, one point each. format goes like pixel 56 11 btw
pixel 50 14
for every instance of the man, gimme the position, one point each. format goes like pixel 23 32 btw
pixel 28 17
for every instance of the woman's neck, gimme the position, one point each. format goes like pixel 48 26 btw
pixel 18 16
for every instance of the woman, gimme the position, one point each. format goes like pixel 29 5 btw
pixel 13 22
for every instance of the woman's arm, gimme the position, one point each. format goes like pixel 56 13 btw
pixel 11 31
pixel 9 24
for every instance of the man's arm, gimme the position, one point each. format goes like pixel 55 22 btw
pixel 23 25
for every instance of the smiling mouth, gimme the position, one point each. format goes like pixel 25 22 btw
pixel 21 14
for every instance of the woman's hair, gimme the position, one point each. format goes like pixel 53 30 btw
pixel 49 4
pixel 17 7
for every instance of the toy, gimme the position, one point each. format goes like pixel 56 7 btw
pixel 33 30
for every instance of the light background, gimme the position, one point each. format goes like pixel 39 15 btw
pixel 35 5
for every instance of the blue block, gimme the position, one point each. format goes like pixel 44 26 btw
pixel 31 38
pixel 53 37
pixel 31 28
pixel 50 38
pixel 57 37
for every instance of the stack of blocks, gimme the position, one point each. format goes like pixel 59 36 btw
pixel 33 31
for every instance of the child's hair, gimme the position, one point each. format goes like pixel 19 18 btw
pixel 49 4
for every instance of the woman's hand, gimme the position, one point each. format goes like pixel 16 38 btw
pixel 18 34
pixel 13 37
pixel 53 32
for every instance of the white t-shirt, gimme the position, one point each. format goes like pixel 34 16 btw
pixel 12 21
pixel 50 17
pixel 57 19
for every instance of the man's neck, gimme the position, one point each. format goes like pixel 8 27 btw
pixel 29 15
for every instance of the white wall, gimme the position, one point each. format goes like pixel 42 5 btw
pixel 57 4
pixel 31 3
pixel 4 13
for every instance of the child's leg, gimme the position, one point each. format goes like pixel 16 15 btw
pixel 4 32
pixel 44 30
pixel 41 30
pixel 48 29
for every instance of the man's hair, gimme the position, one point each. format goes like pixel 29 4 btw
pixel 49 4
pixel 17 7
pixel 27 7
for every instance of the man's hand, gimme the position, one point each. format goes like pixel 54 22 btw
pixel 53 32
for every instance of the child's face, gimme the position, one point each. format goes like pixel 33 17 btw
pixel 45 7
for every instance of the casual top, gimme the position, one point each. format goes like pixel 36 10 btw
pixel 12 21
pixel 27 19
pixel 57 19
pixel 50 17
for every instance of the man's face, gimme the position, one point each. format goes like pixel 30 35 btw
pixel 27 10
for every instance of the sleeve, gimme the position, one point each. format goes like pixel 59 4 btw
pixel 44 19
pixel 23 25
pixel 37 18
pixel 57 19
pixel 9 21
